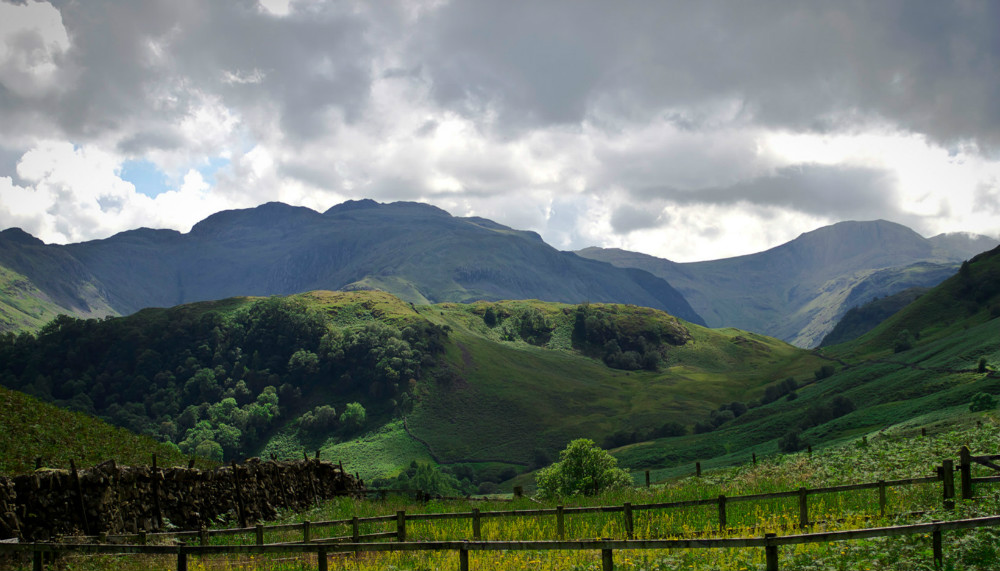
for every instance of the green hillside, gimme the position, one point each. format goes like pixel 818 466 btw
pixel 923 360
pixel 490 390
pixel 31 429
pixel 485 383
pixel 860 320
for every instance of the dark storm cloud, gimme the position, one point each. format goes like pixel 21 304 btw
pixel 925 66
pixel 627 218
pixel 143 66
pixel 834 192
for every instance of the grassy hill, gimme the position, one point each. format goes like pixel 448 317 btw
pixel 31 429
pixel 511 382
pixel 950 329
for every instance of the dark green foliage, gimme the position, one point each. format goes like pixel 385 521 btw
pixel 189 375
pixel 982 401
pixel 631 344
pixel 904 341
pixel 427 479
pixel 824 372
pixel 490 317
pixel 787 386
pixel 319 420
pixel 981 366
pixel 822 413
pixel 791 441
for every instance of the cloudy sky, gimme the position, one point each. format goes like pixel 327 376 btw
pixel 687 130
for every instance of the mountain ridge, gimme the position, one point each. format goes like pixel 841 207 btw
pixel 417 251
pixel 797 291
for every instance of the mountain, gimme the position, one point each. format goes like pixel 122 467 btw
pixel 415 251
pixel 799 290
pixel 860 320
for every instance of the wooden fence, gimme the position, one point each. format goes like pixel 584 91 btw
pixel 355 542
pixel 769 542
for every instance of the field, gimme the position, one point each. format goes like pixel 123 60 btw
pixel 894 453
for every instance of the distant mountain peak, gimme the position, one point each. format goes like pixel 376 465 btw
pixel 369 204
pixel 18 236
pixel 266 215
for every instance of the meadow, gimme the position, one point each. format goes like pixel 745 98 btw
pixel 894 453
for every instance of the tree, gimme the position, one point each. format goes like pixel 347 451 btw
pixel 982 401
pixel 583 468
pixel 791 441
pixel 354 416
pixel 904 341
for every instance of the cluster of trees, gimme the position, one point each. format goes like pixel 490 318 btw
pixel 815 415
pixel 525 323
pixel 216 383
pixel 428 479
pixel 622 344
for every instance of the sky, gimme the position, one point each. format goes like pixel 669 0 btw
pixel 688 130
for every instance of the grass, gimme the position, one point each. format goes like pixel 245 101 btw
pixel 32 429
pixel 382 453
pixel 896 452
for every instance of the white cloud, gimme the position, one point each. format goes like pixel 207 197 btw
pixel 33 42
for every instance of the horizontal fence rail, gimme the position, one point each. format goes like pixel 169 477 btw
pixel 945 475
pixel 769 542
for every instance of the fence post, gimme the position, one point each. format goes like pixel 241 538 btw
pixel 203 536
pixel 36 561
pixel 647 478
pixel 78 488
pixel 628 520
pixel 881 498
pixel 560 523
pixel 306 532
pixel 607 560
pixel 948 474
pixel 803 508
pixel 182 558
pixel 355 530
pixel 754 454
pixel 477 530
pixel 965 459
pixel 401 526
pixel 260 534
pixel 518 491
pixel 938 549
pixel 463 559
pixel 321 559
pixel 722 513
pixel 697 469
pixel 142 537
pixel 770 552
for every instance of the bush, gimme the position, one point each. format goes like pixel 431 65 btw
pixel 981 367
pixel 904 341
pixel 791 442
pixel 982 401
pixel 583 468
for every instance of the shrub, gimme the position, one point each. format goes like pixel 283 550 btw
pixel 791 441
pixel 583 468
pixel 982 401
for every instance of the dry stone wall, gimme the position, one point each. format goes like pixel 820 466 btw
pixel 118 499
